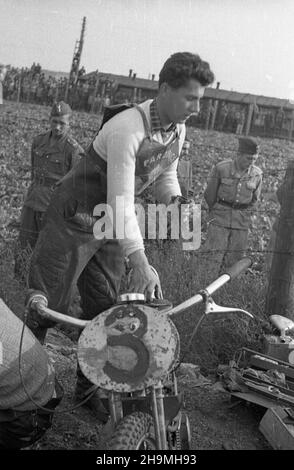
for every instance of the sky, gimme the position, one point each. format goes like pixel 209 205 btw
pixel 248 43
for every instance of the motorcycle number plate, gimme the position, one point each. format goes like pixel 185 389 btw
pixel 128 347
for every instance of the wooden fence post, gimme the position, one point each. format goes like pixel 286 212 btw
pixel 291 126
pixel 215 108
pixel 19 84
pixel 207 119
pixel 280 293
pixel 249 119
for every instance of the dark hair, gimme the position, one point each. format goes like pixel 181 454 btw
pixel 182 66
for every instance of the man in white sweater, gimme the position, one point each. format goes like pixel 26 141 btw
pixel 135 148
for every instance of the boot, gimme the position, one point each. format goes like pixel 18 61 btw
pixel 85 388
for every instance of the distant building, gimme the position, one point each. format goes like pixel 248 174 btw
pixel 121 88
pixel 262 113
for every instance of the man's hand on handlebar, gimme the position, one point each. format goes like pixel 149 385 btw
pixel 143 278
pixel 36 298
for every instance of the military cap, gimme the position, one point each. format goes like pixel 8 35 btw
pixel 248 145
pixel 60 108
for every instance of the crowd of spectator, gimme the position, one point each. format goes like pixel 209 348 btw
pixel 33 85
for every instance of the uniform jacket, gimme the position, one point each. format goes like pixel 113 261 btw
pixel 50 161
pixel 227 184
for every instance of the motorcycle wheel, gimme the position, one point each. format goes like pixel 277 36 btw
pixel 134 432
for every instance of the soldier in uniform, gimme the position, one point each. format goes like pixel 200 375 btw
pixel 53 154
pixel 138 146
pixel 233 188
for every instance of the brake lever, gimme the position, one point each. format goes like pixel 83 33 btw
pixel 212 307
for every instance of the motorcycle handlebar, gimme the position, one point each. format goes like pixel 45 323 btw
pixel 231 273
pixel 238 268
pixel 60 317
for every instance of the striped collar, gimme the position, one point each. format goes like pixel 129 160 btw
pixel 155 121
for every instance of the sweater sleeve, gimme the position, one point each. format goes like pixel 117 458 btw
pixel 122 146
pixel 37 369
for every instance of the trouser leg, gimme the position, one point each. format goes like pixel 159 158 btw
pixel 63 257
pixel 60 255
pixel 22 428
pixel 30 225
pixel 99 282
pixel 213 251
pixel 237 245
pixel 99 286
pixel 66 254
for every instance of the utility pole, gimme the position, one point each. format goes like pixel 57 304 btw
pixel 73 75
pixel 280 294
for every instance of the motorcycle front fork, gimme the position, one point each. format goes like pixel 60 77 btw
pixel 115 408
pixel 157 407
pixel 159 417
pixel 158 413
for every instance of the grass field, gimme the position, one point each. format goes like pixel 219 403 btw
pixel 181 273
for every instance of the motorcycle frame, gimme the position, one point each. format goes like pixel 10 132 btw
pixel 155 401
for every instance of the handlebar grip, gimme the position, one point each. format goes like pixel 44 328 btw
pixel 238 267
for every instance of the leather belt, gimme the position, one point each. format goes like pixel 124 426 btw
pixel 45 181
pixel 234 205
